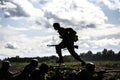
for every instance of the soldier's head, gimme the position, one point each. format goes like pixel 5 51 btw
pixel 6 64
pixel 34 62
pixel 56 26
pixel 90 66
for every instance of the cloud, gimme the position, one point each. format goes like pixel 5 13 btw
pixel 106 42
pixel 15 11
pixel 112 4
pixel 74 11
pixel 23 45
pixel 17 41
pixel 71 13
pixel 21 10
pixel 6 32
pixel 98 38
pixel 101 31
pixel 10 46
pixel 111 9
pixel 29 27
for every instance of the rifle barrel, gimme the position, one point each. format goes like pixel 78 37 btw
pixel 107 71
pixel 75 46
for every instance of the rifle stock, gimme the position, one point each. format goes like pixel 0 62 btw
pixel 75 46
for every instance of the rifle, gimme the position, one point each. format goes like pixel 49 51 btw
pixel 75 46
pixel 108 71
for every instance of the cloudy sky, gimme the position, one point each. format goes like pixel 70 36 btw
pixel 26 25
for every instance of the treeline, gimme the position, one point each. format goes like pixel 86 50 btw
pixel 28 59
pixel 105 55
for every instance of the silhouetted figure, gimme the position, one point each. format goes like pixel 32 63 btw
pixel 40 74
pixel 25 74
pixel 68 36
pixel 89 73
pixel 5 74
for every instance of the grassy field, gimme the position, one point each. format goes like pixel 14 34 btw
pixel 101 65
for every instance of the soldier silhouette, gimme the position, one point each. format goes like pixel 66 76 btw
pixel 89 73
pixel 5 74
pixel 25 74
pixel 68 36
pixel 40 74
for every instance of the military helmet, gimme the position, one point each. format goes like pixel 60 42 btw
pixel 34 62
pixel 90 65
pixel 6 64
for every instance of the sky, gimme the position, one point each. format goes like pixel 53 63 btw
pixel 26 26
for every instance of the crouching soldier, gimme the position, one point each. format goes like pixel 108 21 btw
pixel 89 73
pixel 5 74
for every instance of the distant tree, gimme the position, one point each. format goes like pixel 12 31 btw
pixel 118 56
pixel 52 58
pixel 104 54
pixel 68 58
pixel 104 51
pixel 17 56
pixel 110 55
pixel 89 55
pixel 97 56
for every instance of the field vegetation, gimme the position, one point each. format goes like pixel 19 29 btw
pixel 105 60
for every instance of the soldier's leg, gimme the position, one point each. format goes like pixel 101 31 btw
pixel 58 51
pixel 74 54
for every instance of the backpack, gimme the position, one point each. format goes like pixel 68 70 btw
pixel 72 34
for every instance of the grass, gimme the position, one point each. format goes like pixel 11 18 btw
pixel 100 65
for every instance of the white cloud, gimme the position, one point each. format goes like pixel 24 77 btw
pixel 112 4
pixel 23 8
pixel 30 35
pixel 14 42
pixel 24 46
pixel 6 32
pixel 105 30
pixel 106 42
pixel 75 11
pixel 10 46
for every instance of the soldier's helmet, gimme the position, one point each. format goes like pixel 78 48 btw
pixel 6 64
pixel 90 66
pixel 34 62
